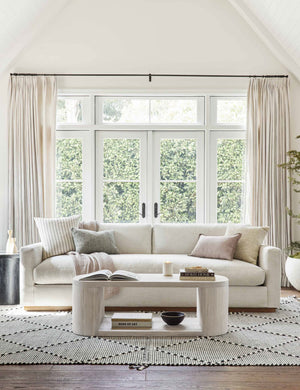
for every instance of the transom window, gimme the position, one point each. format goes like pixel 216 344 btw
pixel 162 159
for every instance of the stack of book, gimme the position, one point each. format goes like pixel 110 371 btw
pixel 196 273
pixel 131 321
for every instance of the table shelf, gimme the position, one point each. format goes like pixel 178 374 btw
pixel 188 327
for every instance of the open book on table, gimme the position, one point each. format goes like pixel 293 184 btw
pixel 106 274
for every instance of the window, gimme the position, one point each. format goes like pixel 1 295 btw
pixel 228 112
pixel 164 110
pixel 158 154
pixel 73 110
pixel 73 174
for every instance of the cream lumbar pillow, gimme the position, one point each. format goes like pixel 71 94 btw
pixel 247 248
pixel 56 234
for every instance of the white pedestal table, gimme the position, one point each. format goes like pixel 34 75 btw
pixel 89 318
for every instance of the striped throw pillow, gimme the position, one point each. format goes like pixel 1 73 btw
pixel 56 235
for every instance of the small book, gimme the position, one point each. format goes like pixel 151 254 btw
pixel 125 316
pixel 198 278
pixel 209 272
pixel 196 269
pixel 106 274
pixel 131 320
pixel 131 325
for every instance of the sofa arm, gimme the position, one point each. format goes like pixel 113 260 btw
pixel 270 261
pixel 30 257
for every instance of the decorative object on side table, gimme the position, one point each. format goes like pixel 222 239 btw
pixel 168 268
pixel 9 279
pixel 11 243
pixel 172 317
pixel 292 265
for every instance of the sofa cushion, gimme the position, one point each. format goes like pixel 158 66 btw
pixel 182 238
pixel 59 269
pixel 55 234
pixel 130 237
pixel 55 270
pixel 87 241
pixel 216 247
pixel 252 238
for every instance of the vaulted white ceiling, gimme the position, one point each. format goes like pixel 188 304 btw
pixel 277 22
pixel 20 21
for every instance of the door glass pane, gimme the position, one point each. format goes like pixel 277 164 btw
pixel 178 180
pixel 177 202
pixel 178 159
pixel 230 180
pixel 174 111
pixel 121 176
pixel 73 110
pixel 68 177
pixel 122 159
pixel 121 202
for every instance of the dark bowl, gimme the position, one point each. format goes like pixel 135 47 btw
pixel 172 317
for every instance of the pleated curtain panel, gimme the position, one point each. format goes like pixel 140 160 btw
pixel 268 193
pixel 31 121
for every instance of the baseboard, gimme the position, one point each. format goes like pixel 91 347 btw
pixel 252 309
pixel 47 308
pixel 152 308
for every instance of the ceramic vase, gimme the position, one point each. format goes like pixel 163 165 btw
pixel 292 270
pixel 11 243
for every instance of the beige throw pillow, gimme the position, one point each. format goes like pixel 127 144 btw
pixel 252 238
pixel 216 247
pixel 56 235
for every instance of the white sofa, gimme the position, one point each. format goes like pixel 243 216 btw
pixel 143 249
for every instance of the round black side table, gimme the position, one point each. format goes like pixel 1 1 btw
pixel 9 278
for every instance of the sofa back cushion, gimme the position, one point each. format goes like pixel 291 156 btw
pixel 130 237
pixel 182 238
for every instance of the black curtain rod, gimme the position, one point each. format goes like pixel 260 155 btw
pixel 149 75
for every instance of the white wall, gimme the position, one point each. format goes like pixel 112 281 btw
pixel 157 36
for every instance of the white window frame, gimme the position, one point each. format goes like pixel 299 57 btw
pixel 208 128
pixel 87 168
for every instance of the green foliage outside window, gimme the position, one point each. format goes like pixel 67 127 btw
pixel 230 170
pixel 68 177
pixel 122 173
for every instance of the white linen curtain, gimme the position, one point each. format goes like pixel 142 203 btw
pixel 31 121
pixel 268 133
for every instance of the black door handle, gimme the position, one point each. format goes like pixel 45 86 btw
pixel 155 210
pixel 143 210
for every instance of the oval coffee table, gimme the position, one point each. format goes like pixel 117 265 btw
pixel 89 318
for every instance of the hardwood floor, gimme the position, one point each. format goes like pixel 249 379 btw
pixel 44 377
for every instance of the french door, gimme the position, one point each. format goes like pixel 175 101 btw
pixel 150 177
pixel 178 177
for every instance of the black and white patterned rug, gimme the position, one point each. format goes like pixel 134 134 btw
pixel 253 339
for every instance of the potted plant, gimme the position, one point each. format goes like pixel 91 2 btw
pixel 292 265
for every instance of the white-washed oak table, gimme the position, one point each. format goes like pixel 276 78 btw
pixel 89 318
